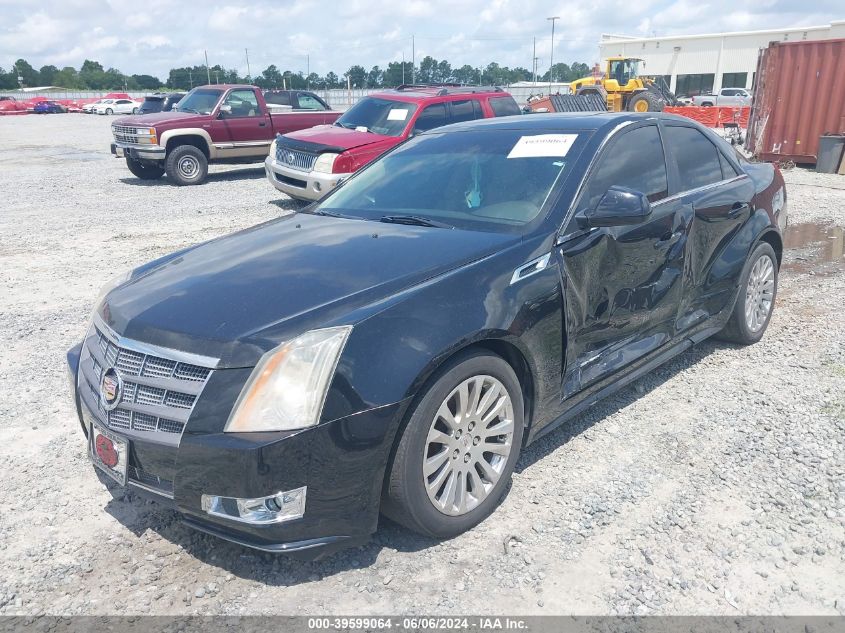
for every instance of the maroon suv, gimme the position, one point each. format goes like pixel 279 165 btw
pixel 309 163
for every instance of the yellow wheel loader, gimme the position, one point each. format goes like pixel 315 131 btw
pixel 623 88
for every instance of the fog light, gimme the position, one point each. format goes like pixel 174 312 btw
pixel 282 506
pixel 317 187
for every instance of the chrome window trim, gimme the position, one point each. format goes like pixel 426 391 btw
pixel 208 362
pixel 565 237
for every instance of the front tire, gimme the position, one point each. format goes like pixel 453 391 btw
pixel 144 172
pixel 756 300
pixel 186 165
pixel 459 448
pixel 109 111
pixel 646 102
pixel 134 110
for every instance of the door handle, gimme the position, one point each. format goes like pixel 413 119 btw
pixel 737 209
pixel 669 239
pixel 262 124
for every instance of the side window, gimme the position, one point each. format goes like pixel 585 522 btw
pixel 433 116
pixel 697 158
pixel 634 160
pixel 464 110
pixel 728 170
pixel 308 102
pixel 504 106
pixel 729 92
pixel 243 103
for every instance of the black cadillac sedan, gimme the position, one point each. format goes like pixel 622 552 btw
pixel 393 348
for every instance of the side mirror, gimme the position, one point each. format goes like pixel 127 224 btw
pixel 225 110
pixel 620 206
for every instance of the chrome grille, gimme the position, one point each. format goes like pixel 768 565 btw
pixel 295 158
pixel 124 134
pixel 158 393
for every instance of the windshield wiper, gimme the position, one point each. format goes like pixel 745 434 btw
pixel 339 124
pixel 415 220
pixel 188 110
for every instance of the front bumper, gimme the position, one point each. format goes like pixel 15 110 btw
pixel 304 185
pixel 138 152
pixel 342 464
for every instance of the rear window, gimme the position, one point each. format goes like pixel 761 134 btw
pixel 504 106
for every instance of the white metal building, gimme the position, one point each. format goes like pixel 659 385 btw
pixel 694 64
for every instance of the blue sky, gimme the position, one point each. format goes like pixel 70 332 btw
pixel 155 35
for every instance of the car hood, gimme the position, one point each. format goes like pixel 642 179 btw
pixel 336 137
pixel 238 296
pixel 159 119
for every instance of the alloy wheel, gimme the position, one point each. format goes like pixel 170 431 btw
pixel 468 445
pixel 759 292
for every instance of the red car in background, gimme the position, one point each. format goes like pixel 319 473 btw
pixel 308 164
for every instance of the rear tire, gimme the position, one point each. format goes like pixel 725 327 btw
pixel 144 172
pixel 186 165
pixel 442 481
pixel 134 110
pixel 756 299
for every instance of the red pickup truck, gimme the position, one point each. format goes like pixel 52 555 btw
pixel 308 164
pixel 212 124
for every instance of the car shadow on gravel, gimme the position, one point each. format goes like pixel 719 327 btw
pixel 627 396
pixel 141 516
pixel 246 173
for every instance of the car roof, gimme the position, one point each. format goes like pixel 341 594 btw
pixel 420 93
pixel 227 86
pixel 563 121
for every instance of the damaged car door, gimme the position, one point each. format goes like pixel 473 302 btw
pixel 621 252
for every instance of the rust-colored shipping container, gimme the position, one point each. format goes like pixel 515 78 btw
pixel 799 95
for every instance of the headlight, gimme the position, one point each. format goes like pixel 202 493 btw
pixel 325 162
pixel 110 285
pixel 287 388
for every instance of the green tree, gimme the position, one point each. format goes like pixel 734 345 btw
pixel 67 77
pixel 466 74
pixel 47 75
pixel 23 69
pixel 357 76
pixel 8 81
pixel 428 70
pixel 394 76
pixel 332 80
pixel 146 82
pixel 270 77
pixel 374 77
pixel 314 81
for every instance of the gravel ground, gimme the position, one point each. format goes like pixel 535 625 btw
pixel 715 485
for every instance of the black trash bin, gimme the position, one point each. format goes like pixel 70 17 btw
pixel 830 153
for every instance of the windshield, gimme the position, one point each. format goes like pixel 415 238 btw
pixel 624 70
pixel 381 116
pixel 200 100
pixel 492 180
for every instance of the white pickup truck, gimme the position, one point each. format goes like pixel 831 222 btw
pixel 726 97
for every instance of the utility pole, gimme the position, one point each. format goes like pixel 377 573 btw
pixel 534 57
pixel 413 61
pixel 552 54
pixel 191 78
pixel 308 71
pixel 403 67
pixel 207 69
pixel 217 76
pixel 248 71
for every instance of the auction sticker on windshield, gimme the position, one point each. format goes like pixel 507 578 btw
pixel 397 114
pixel 542 145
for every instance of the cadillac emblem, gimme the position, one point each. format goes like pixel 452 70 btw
pixel 111 389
